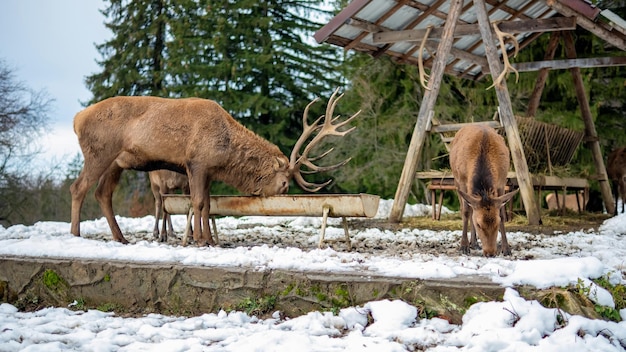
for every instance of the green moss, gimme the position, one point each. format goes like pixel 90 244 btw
pixel 469 301
pixel 107 278
pixel 51 279
pixel 257 306
pixel 109 307
pixel 423 311
pixel 288 289
pixel 342 297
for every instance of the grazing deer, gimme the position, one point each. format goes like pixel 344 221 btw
pixel 165 182
pixel 616 170
pixel 193 136
pixel 480 160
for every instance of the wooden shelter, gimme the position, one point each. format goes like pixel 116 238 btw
pixel 465 38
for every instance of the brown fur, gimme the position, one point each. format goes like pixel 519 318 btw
pixel 616 170
pixel 165 182
pixel 571 202
pixel 480 160
pixel 193 136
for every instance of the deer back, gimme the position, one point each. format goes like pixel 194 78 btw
pixel 479 160
pixel 149 133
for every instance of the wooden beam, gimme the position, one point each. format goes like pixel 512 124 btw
pixel 523 26
pixel 542 77
pixel 507 117
pixel 570 63
pixel 462 54
pixel 590 128
pixel 588 24
pixel 425 113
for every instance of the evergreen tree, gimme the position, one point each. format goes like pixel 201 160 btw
pixel 254 58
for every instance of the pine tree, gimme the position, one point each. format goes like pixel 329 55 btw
pixel 254 58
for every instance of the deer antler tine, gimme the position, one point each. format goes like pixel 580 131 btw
pixel 309 186
pixel 505 57
pixel 329 127
pixel 306 133
pixel 314 168
pixel 420 60
pixel 321 156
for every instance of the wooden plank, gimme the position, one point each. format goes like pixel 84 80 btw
pixel 590 128
pixel 425 113
pixel 453 127
pixel 523 26
pixel 542 77
pixel 570 63
pixel 545 182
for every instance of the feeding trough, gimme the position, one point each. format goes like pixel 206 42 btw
pixel 324 205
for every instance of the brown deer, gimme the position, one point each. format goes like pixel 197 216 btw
pixel 165 182
pixel 575 202
pixel 616 170
pixel 480 160
pixel 196 137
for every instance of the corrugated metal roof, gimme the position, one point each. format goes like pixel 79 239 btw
pixel 356 25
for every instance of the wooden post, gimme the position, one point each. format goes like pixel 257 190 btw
pixel 535 97
pixel 506 115
pixel 591 136
pixel 426 109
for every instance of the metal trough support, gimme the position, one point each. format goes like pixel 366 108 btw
pixel 325 205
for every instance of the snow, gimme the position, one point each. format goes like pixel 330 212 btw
pixel 514 324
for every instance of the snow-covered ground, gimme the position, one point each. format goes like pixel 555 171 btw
pixel 514 324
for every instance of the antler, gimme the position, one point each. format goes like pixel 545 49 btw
pixel 420 59
pixel 327 128
pixel 505 57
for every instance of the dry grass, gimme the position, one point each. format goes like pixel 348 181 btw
pixel 551 222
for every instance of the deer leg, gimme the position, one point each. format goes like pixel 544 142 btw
pixel 207 237
pixel 87 178
pixel 199 184
pixel 465 213
pixel 157 208
pixel 104 194
pixel 166 221
pixel 506 250
pixel 170 227
pixel 622 193
pixel 473 240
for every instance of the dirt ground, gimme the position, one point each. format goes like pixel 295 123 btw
pixel 435 237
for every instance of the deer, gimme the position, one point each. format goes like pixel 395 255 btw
pixel 164 182
pixel 616 170
pixel 196 137
pixel 575 202
pixel 480 160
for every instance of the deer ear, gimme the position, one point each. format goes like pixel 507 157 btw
pixel 470 199
pixel 506 197
pixel 279 163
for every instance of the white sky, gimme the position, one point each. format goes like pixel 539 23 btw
pixel 513 324
pixel 50 45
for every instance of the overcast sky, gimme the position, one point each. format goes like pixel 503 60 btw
pixel 50 45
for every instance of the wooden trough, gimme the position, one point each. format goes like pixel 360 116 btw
pixel 324 205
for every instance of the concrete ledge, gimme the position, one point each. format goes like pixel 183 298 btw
pixel 137 288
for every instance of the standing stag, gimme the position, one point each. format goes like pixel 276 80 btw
pixel 480 160
pixel 193 136
pixel 165 182
pixel 616 170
